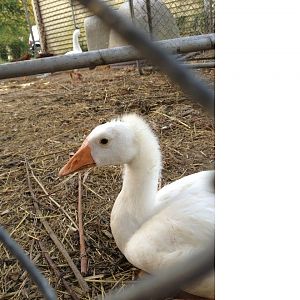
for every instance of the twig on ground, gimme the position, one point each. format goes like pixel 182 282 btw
pixel 57 272
pixel 19 162
pixel 51 198
pixel 53 236
pixel 47 154
pixel 173 119
pixel 83 254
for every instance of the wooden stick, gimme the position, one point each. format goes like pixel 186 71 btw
pixel 53 236
pixel 56 271
pixel 51 198
pixel 19 162
pixel 83 255
pixel 173 119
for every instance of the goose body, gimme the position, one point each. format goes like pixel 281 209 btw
pixel 153 229
pixel 76 45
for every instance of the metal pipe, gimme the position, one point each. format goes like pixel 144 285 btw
pixel 149 16
pixel 73 14
pixel 189 83
pixel 201 65
pixel 99 57
pixel 27 264
pixel 131 8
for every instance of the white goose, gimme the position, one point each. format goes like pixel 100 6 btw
pixel 76 45
pixel 74 74
pixel 153 229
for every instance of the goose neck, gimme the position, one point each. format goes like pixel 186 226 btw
pixel 140 183
pixel 76 45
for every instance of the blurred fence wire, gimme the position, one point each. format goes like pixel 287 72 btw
pixel 168 282
pixel 27 264
pixel 199 265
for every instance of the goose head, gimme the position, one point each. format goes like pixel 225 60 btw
pixel 113 143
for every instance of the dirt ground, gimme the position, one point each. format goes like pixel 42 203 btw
pixel 44 119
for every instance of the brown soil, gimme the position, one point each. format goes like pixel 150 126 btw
pixel 42 121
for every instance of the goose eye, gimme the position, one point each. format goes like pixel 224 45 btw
pixel 104 141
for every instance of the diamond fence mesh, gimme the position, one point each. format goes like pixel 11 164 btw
pixel 170 19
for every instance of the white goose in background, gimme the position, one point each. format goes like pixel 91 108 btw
pixel 76 45
pixel 153 229
pixel 76 49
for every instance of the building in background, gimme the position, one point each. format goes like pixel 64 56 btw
pixel 57 19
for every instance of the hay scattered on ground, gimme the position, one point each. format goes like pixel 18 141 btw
pixel 42 121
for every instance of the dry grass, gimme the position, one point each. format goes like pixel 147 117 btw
pixel 42 121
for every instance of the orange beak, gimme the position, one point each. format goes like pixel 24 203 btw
pixel 82 159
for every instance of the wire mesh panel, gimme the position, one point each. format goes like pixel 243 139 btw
pixel 193 16
pixel 154 17
pixel 170 19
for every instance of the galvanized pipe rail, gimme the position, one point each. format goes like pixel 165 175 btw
pixel 101 57
pixel 201 65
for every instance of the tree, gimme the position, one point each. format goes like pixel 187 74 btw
pixel 14 31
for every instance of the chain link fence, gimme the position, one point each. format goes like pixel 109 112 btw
pixel 171 19
pixel 167 20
